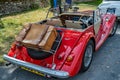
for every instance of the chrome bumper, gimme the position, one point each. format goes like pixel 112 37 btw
pixel 51 72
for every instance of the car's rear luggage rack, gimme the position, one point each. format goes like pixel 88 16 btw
pixel 56 43
pixel 42 54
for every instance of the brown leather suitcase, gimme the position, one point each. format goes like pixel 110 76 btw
pixel 48 39
pixel 38 36
pixel 34 35
pixel 23 32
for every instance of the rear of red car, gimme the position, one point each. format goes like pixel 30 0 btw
pixel 60 64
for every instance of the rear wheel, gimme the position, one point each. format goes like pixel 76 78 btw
pixel 88 55
pixel 113 30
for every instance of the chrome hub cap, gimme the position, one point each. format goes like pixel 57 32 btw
pixel 88 56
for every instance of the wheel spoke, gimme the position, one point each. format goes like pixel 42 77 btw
pixel 88 55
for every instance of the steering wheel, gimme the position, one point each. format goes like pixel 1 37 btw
pixel 83 21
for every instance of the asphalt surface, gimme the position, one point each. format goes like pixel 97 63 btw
pixel 105 65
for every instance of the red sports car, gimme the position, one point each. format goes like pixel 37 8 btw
pixel 79 35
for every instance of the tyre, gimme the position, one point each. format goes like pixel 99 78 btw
pixel 88 56
pixel 113 30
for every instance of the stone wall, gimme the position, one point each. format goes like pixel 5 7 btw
pixel 9 7
pixel 12 6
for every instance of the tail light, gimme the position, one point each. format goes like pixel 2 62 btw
pixel 13 46
pixel 70 58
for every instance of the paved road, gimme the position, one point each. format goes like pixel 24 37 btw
pixel 105 65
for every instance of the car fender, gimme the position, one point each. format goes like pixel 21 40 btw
pixel 77 53
pixel 108 21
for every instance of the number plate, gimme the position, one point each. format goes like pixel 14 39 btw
pixel 33 71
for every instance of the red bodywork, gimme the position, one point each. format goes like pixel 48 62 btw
pixel 73 45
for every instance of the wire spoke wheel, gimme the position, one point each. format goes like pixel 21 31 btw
pixel 88 55
pixel 113 30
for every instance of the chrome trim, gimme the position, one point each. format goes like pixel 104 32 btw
pixel 51 72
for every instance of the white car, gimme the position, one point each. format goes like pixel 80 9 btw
pixel 110 6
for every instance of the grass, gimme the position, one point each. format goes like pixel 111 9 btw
pixel 90 5
pixel 11 25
